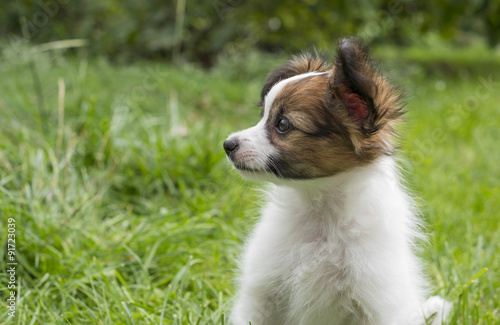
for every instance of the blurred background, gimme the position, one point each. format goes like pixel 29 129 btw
pixel 112 118
pixel 200 31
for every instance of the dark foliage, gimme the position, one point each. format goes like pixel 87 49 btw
pixel 199 30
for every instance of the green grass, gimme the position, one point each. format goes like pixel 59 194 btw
pixel 126 211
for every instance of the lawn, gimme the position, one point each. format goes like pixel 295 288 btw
pixel 126 211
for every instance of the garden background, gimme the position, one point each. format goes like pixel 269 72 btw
pixel 112 118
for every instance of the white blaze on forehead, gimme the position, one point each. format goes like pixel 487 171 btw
pixel 276 89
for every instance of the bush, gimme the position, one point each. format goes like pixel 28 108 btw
pixel 200 30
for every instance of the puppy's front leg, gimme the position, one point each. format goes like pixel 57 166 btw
pixel 255 310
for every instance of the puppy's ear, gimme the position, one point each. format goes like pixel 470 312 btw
pixel 353 83
pixel 306 62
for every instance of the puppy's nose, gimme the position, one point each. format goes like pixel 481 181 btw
pixel 230 145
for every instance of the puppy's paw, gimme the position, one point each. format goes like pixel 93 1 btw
pixel 436 310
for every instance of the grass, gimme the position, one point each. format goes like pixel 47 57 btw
pixel 127 213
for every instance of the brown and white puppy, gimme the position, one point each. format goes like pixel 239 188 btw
pixel 334 242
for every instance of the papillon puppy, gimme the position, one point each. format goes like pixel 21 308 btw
pixel 335 241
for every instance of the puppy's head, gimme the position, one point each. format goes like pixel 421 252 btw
pixel 317 120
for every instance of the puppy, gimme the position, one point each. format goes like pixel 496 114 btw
pixel 334 244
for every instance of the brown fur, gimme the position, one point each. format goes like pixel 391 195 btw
pixel 299 64
pixel 327 136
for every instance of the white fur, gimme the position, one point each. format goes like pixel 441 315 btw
pixel 336 250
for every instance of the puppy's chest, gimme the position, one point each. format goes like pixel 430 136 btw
pixel 314 260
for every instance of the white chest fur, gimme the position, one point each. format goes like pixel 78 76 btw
pixel 334 251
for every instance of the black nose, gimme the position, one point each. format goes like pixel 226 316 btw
pixel 230 145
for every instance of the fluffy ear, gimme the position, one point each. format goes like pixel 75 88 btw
pixel 353 83
pixel 303 63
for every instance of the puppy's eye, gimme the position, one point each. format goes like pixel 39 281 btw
pixel 283 125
